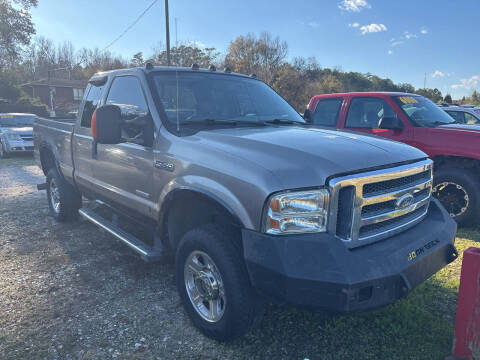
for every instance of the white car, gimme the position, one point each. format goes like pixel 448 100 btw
pixel 463 114
pixel 16 133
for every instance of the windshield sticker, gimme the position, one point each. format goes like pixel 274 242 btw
pixel 408 100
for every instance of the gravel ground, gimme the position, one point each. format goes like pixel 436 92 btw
pixel 69 291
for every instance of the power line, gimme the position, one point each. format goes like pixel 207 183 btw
pixel 130 26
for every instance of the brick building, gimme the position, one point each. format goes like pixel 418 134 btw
pixel 67 94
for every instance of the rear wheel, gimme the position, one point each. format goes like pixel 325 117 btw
pixel 3 152
pixel 458 191
pixel 213 284
pixel 63 199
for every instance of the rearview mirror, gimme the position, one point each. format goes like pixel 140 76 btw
pixel 308 116
pixel 390 123
pixel 107 124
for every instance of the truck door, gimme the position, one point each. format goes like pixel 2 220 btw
pixel 124 172
pixel 82 137
pixel 364 114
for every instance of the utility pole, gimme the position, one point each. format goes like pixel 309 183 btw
pixel 167 32
pixel 425 81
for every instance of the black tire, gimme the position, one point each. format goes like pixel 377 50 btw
pixel 3 152
pixel 243 309
pixel 69 199
pixel 459 192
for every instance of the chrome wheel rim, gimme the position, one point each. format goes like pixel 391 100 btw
pixel 453 197
pixel 204 286
pixel 54 196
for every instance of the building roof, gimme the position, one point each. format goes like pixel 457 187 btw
pixel 57 83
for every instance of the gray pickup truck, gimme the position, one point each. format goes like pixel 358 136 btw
pixel 218 170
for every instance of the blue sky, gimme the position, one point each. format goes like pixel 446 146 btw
pixel 399 39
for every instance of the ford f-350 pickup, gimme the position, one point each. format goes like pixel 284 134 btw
pixel 217 169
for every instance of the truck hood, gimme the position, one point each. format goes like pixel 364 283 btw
pixel 460 128
pixel 307 156
pixel 24 130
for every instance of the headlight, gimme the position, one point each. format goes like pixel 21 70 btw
pixel 14 137
pixel 297 212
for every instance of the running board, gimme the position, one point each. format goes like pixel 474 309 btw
pixel 146 252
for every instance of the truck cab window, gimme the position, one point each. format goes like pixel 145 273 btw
pixel 94 94
pixel 326 112
pixel 366 113
pixel 126 92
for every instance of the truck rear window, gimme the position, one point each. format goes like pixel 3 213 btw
pixel 94 93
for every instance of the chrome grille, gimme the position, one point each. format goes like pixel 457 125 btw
pixel 27 137
pixel 381 204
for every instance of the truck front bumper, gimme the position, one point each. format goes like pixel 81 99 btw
pixel 318 270
pixel 16 146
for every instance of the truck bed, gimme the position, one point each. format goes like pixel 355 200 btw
pixel 56 136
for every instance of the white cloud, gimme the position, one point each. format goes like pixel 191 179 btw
pixel 390 52
pixel 409 35
pixel 354 5
pixel 314 24
pixel 198 44
pixel 396 43
pixel 372 28
pixel 354 25
pixel 438 73
pixel 471 83
pixel 424 31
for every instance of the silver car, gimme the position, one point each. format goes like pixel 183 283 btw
pixel 463 114
pixel 16 133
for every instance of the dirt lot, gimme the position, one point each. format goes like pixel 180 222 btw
pixel 68 291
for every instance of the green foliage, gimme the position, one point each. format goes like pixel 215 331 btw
pixel 8 86
pixel 433 94
pixel 448 99
pixel 186 55
pixel 16 29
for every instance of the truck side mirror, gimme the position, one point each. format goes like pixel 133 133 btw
pixel 390 123
pixel 308 116
pixel 107 124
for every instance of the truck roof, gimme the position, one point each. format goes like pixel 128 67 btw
pixel 366 93
pixel 102 74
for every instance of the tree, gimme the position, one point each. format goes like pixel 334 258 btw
pixel 16 29
pixel 448 99
pixel 263 55
pixel 433 94
pixel 186 55
pixel 137 59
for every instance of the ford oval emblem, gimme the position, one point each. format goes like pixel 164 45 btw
pixel 404 201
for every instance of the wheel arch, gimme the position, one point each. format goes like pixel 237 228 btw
pixel 185 208
pixel 450 161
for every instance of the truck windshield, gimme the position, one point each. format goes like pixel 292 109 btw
pixel 422 112
pixel 207 99
pixel 16 120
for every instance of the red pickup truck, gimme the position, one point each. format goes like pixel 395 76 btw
pixel 414 120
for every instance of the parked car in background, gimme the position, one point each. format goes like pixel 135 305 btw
pixel 464 115
pixel 16 133
pixel 414 120
pixel 218 170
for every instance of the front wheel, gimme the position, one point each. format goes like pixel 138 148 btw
pixel 458 191
pixel 213 284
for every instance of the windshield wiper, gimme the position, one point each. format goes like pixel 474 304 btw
pixel 282 121
pixel 210 121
